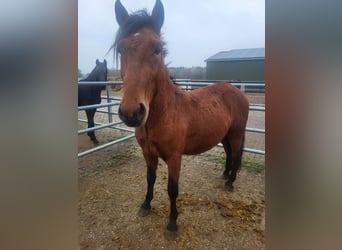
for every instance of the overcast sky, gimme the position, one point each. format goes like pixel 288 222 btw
pixel 193 29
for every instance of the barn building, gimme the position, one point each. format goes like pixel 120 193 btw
pixel 237 64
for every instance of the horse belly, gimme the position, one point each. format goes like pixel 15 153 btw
pixel 201 140
pixel 198 149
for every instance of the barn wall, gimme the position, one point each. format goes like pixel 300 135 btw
pixel 236 70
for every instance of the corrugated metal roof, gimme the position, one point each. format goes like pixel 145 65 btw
pixel 239 54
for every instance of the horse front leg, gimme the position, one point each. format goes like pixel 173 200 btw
pixel 172 189
pixel 152 163
pixel 90 116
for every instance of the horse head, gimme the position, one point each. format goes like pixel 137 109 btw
pixel 100 72
pixel 140 47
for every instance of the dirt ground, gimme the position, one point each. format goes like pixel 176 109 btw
pixel 112 186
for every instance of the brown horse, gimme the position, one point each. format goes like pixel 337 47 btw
pixel 169 121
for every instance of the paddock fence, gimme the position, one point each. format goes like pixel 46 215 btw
pixel 109 105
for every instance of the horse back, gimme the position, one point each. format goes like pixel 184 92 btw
pixel 235 102
pixel 221 100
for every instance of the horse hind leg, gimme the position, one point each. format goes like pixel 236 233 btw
pixel 236 142
pixel 228 165
pixel 90 117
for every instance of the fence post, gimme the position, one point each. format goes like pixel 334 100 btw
pixel 242 87
pixel 110 116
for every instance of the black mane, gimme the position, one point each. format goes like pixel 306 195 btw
pixel 91 77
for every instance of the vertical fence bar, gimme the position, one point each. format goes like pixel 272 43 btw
pixel 110 116
pixel 242 88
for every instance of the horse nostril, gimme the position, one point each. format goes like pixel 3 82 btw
pixel 121 114
pixel 141 111
pixel 120 111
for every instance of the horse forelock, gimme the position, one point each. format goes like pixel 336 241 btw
pixel 135 22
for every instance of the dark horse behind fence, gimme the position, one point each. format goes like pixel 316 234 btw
pixel 88 94
pixel 168 121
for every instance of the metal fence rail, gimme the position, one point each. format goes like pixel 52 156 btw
pixel 105 145
pixel 184 83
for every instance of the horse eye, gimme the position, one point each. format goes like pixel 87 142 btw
pixel 157 50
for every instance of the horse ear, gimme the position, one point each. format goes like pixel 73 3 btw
pixel 158 14
pixel 105 62
pixel 97 62
pixel 121 13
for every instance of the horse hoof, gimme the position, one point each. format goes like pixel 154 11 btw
pixel 95 142
pixel 228 188
pixel 143 212
pixel 225 177
pixel 170 235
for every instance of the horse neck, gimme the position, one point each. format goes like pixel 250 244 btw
pixel 165 94
pixel 90 77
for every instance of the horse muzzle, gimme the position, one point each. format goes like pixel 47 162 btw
pixel 135 118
